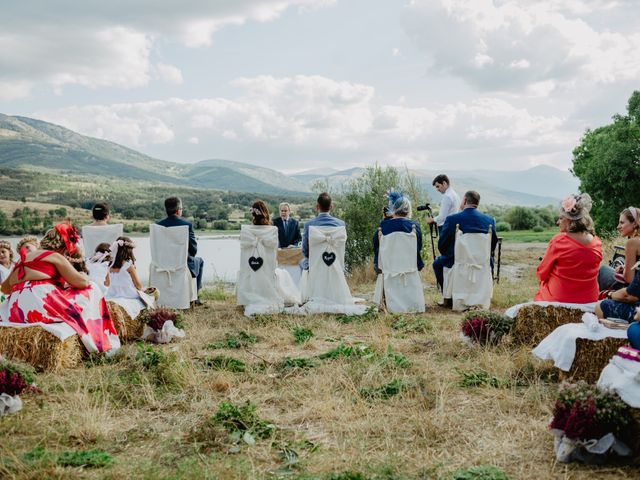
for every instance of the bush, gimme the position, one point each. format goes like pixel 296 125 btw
pixel 220 225
pixel 503 227
pixel 538 229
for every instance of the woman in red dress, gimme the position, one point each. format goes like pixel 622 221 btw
pixel 45 287
pixel 568 272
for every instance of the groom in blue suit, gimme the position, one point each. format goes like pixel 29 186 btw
pixel 323 219
pixel 469 220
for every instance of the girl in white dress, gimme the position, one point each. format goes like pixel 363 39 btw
pixel 6 259
pixel 124 284
pixel 98 266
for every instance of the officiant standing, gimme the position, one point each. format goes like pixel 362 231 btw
pixel 288 228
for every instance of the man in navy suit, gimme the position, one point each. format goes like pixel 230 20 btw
pixel 173 207
pixel 323 219
pixel 469 220
pixel 288 228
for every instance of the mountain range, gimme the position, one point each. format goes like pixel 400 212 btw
pixel 30 144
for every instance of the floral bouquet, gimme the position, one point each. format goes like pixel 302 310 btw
pixel 586 420
pixel 484 327
pixel 162 325
pixel 14 379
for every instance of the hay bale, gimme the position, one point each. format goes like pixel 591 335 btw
pixel 534 322
pixel 592 356
pixel 129 329
pixel 43 350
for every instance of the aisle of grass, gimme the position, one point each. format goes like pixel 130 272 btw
pixel 393 397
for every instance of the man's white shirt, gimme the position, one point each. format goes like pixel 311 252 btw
pixel 449 205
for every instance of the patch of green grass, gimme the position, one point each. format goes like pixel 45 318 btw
pixel 370 314
pixel 302 363
pixel 483 472
pixel 411 325
pixel 527 236
pixel 394 359
pixel 480 378
pixel 240 339
pixel 346 351
pixel 242 422
pixel 301 334
pixel 383 392
pixel 84 458
pixel 222 362
pixel 218 292
pixel 148 355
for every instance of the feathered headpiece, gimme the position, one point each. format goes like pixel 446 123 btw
pixel 69 236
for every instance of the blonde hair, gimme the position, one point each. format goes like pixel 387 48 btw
pixel 7 245
pixel 29 239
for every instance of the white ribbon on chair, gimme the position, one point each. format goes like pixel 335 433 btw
pixel 258 287
pixel 168 271
pixel 470 277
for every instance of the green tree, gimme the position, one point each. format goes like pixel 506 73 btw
pixel 521 218
pixel 607 162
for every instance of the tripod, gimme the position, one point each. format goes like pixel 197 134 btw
pixel 433 228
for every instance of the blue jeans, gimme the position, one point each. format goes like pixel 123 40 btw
pixel 615 309
pixel 198 267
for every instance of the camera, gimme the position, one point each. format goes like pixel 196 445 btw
pixel 426 206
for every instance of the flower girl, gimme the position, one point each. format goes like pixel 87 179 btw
pixel 124 285
pixel 98 266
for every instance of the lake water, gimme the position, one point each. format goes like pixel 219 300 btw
pixel 221 255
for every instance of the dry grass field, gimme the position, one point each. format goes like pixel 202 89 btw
pixel 388 397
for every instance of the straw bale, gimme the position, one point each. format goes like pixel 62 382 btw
pixel 534 322
pixel 43 350
pixel 592 356
pixel 129 329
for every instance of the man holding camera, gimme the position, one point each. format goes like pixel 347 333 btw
pixel 450 203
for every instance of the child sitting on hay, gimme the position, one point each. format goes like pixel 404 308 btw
pixel 124 286
pixel 6 259
pixel 98 266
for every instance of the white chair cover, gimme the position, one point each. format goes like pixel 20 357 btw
pixel 258 289
pixel 400 279
pixel 470 277
pixel 168 271
pixel 323 286
pixel 93 235
pixel 622 376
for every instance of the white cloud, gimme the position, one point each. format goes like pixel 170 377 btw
pixel 169 73
pixel 275 119
pixel 513 44
pixel 111 44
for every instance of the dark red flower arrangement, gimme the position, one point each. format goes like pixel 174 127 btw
pixel 156 318
pixel 585 412
pixel 15 379
pixel 485 327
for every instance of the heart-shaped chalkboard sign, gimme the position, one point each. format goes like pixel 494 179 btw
pixel 255 263
pixel 328 258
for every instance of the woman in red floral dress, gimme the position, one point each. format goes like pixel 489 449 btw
pixel 45 287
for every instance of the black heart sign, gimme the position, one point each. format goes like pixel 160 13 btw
pixel 328 258
pixel 255 263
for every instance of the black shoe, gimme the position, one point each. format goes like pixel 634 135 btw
pixel 446 303
pixel 197 302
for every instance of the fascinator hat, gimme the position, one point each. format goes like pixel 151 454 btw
pixel 399 204
pixel 575 207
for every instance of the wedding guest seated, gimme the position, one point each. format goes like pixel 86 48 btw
pixel 98 266
pixel 6 259
pixel 37 293
pixel 323 219
pixel 621 303
pixel 569 269
pixel 288 228
pixel 101 214
pixel 398 221
pixel 628 226
pixel 173 207
pixel 124 286
pixel 30 242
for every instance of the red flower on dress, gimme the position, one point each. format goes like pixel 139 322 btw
pixel 16 315
pixel 35 316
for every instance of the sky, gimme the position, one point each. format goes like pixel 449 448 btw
pixel 317 84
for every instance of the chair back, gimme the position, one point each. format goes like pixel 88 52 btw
pixel 326 282
pixel 400 280
pixel 168 270
pixel 94 235
pixel 257 278
pixel 470 279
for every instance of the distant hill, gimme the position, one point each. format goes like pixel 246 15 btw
pixel 27 143
pixel 541 185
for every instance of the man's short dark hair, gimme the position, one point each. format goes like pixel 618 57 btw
pixel 324 202
pixel 172 205
pixel 441 179
pixel 472 197
pixel 100 211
